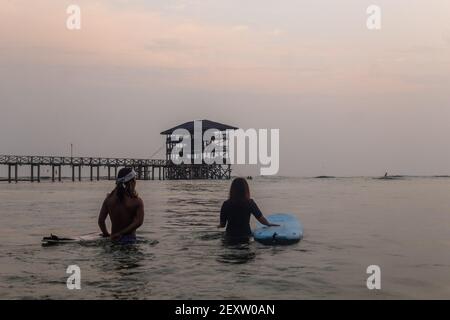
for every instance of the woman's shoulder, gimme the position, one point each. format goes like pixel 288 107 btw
pixel 243 204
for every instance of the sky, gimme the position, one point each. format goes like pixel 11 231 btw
pixel 347 100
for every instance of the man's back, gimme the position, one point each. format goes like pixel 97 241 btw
pixel 126 215
pixel 122 213
pixel 124 207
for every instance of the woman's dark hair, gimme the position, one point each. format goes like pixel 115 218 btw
pixel 239 191
pixel 123 189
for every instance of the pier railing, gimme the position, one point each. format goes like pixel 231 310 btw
pixel 145 168
pixel 83 161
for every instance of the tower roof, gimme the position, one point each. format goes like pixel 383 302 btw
pixel 206 124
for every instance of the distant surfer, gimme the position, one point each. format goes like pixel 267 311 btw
pixel 236 211
pixel 124 207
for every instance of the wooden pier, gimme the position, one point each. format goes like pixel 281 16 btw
pixel 146 169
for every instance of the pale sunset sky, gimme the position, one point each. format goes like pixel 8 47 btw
pixel 347 100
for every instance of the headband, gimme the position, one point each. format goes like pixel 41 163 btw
pixel 127 178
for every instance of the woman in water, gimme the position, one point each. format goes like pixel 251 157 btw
pixel 124 207
pixel 236 211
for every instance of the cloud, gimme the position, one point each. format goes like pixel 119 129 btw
pixel 207 54
pixel 241 28
pixel 447 37
pixel 178 5
pixel 276 32
pixel 166 44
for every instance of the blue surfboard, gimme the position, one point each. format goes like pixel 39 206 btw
pixel 289 231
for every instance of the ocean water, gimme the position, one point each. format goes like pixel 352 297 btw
pixel 401 225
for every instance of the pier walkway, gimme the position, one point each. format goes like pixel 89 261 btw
pixel 145 168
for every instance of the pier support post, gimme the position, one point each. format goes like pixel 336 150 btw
pixel 55 164
pixel 139 170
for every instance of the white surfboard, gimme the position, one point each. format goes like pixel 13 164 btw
pixel 53 239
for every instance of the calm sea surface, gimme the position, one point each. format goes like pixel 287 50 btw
pixel 350 223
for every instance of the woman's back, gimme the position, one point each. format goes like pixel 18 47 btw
pixel 236 216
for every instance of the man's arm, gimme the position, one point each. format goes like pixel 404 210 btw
pixel 102 218
pixel 137 221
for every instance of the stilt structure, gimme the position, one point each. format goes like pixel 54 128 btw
pixel 190 137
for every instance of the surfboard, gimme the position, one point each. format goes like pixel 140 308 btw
pixel 53 239
pixel 289 231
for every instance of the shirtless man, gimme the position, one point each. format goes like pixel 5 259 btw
pixel 124 207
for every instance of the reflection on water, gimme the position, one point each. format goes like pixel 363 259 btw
pixel 121 257
pixel 349 224
pixel 122 270
pixel 236 251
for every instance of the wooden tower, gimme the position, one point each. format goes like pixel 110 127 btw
pixel 196 167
